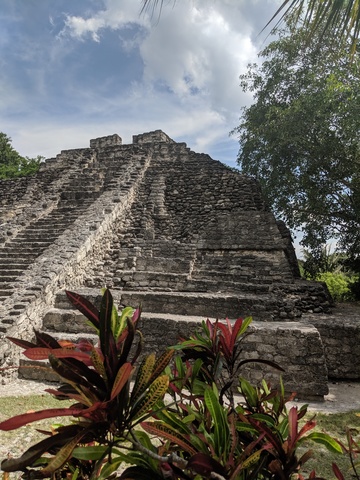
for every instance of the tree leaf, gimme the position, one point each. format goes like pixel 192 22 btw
pixel 121 379
pixel 45 340
pixel 22 343
pixel 25 418
pixel 337 472
pixel 330 443
pixel 165 431
pixel 155 393
pixel 42 353
pixel 204 465
pixel 98 362
pixel 85 307
pixel 35 451
pixel 90 452
pixel 219 419
pixel 161 363
pixel 126 313
pixel 62 456
pixel 143 376
pixel 107 341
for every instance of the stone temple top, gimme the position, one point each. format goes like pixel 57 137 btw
pixel 114 140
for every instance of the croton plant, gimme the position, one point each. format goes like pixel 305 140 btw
pixel 168 417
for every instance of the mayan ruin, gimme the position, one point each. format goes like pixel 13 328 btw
pixel 181 234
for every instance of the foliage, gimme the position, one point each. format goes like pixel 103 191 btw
pixel 97 379
pixel 300 138
pixel 341 18
pixel 338 285
pixel 331 268
pixel 352 449
pixel 339 424
pixel 14 165
pixel 323 260
pixel 200 432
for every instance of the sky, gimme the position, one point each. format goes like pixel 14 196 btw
pixel 72 70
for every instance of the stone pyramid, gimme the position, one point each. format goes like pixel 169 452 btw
pixel 182 234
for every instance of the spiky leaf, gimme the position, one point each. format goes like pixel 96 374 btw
pixel 143 376
pixel 22 343
pixel 107 341
pixel 165 431
pixel 62 456
pixel 42 353
pixel 219 418
pixel 98 363
pixel 155 393
pixel 330 443
pixel 25 418
pixel 126 313
pixel 85 307
pixel 35 451
pixel 121 379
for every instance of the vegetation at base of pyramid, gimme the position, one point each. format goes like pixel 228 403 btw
pixel 173 416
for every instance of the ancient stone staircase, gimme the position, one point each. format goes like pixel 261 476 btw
pixel 19 253
pixel 161 330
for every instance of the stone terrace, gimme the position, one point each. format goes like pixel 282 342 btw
pixel 160 225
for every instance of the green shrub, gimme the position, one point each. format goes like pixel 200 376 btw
pixel 338 285
pixel 197 432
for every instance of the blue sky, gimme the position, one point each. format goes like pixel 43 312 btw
pixel 72 70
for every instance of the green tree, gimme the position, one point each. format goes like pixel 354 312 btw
pixel 301 138
pixel 12 164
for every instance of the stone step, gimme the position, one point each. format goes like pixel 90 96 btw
pixel 5 292
pixel 20 243
pixel 93 295
pixel 163 264
pixel 39 371
pixel 234 282
pixel 49 226
pixel 183 303
pixel 202 304
pixel 160 281
pixel 5 270
pixel 37 236
pixel 23 249
pixel 284 343
pixel 8 253
pixel 9 278
pixel 66 320
pixel 5 264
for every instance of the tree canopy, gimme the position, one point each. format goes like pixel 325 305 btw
pixel 12 164
pixel 301 138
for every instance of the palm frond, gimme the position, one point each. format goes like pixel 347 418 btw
pixel 340 16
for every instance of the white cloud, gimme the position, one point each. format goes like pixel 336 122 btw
pixel 186 81
pixel 115 15
pixel 195 49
